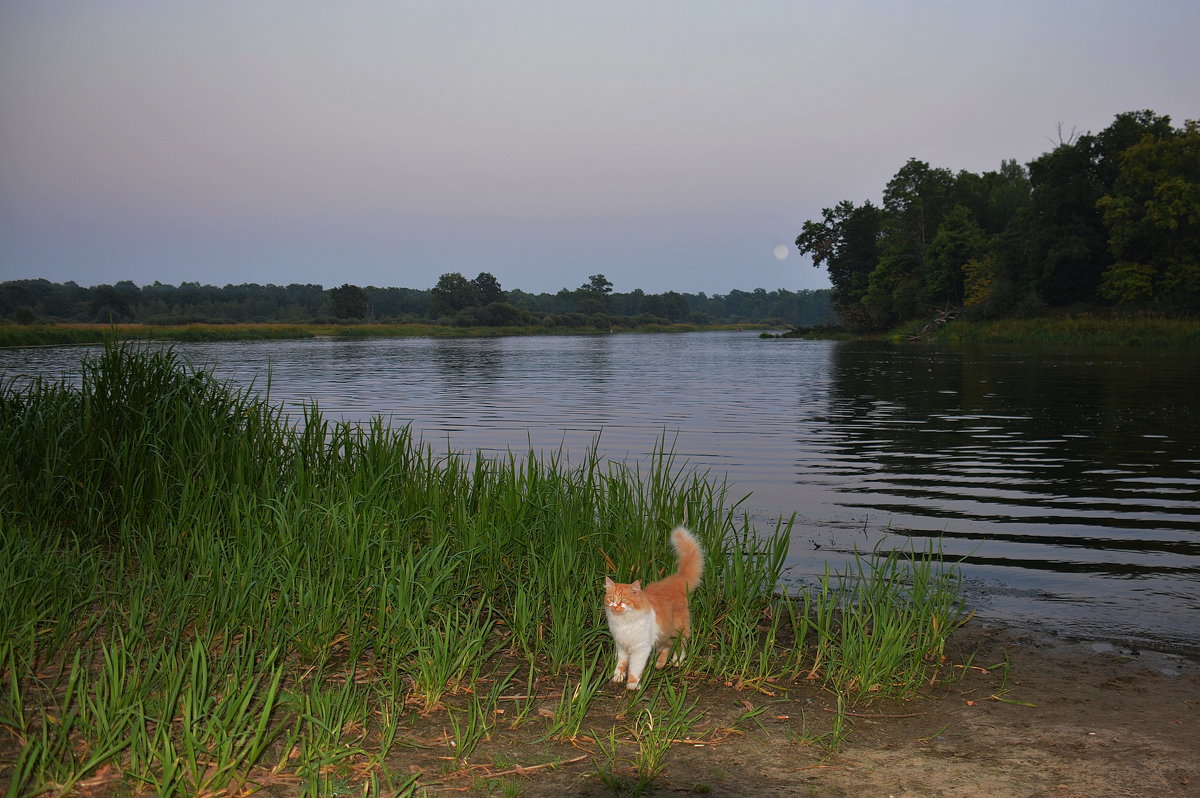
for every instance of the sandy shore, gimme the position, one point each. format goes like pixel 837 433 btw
pixel 1055 719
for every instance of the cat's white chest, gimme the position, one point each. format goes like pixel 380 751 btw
pixel 633 630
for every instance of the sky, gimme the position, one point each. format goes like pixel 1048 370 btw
pixel 670 146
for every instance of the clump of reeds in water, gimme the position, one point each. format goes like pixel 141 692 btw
pixel 201 591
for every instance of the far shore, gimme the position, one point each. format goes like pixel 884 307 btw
pixel 79 333
pixel 1084 329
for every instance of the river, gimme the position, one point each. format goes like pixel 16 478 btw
pixel 1066 482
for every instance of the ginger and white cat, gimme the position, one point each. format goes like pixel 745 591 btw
pixel 643 619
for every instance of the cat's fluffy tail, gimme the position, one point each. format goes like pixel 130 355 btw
pixel 691 557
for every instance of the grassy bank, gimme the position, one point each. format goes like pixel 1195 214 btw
pixel 202 596
pixel 1082 329
pixel 1073 330
pixel 67 334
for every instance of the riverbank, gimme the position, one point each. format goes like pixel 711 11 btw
pixel 1031 715
pixel 69 334
pixel 1069 330
pixel 237 601
pixel 1072 330
pixel 203 596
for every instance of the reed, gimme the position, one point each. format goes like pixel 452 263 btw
pixel 68 334
pixel 576 699
pixel 658 723
pixel 881 626
pixel 669 719
pixel 1077 330
pixel 201 592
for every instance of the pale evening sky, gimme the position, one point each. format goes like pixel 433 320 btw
pixel 666 145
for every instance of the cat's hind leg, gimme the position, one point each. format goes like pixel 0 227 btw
pixel 681 640
pixel 674 651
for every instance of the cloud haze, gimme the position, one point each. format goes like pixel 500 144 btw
pixel 668 146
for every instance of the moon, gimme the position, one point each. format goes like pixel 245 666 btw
pixel 781 251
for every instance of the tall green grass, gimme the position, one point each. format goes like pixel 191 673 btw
pixel 82 333
pixel 200 591
pixel 71 334
pixel 1076 330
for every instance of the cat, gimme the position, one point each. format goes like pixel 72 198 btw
pixel 655 616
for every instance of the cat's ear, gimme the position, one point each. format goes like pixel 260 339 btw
pixel 636 587
pixel 608 583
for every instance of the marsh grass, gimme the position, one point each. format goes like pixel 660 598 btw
pixel 668 719
pixel 201 593
pixel 894 612
pixel 84 333
pixel 1082 329
pixel 576 700
pixel 656 722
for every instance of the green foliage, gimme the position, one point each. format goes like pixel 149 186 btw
pixel 1113 215
pixel 959 240
pixel 349 302
pixel 593 297
pixel 1153 219
pixel 171 312
pixel 1078 330
pixel 487 289
pixel 887 623
pixel 846 242
pixel 452 293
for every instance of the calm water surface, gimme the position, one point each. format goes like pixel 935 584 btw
pixel 1068 482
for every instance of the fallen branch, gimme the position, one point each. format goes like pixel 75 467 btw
pixel 523 769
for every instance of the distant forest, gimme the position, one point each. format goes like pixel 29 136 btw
pixel 455 300
pixel 1110 219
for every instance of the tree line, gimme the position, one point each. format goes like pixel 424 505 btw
pixel 1105 219
pixel 454 300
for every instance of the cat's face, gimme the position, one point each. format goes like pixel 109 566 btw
pixel 621 598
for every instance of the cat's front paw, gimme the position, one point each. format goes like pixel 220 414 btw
pixel 618 676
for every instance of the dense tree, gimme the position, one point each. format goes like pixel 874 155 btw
pixel 487 289
pixel 26 301
pixel 593 296
pixel 39 298
pixel 1111 215
pixel 914 203
pixel 846 242
pixel 958 241
pixel 113 303
pixel 1069 249
pixel 1153 219
pixel 399 303
pixel 452 293
pixel 598 284
pixel 349 302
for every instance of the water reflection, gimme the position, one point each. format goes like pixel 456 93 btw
pixel 469 362
pixel 1077 465
pixel 968 436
